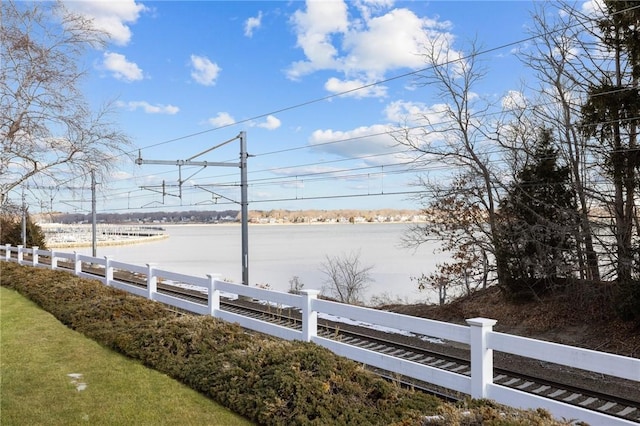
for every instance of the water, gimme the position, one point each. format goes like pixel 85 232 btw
pixel 279 252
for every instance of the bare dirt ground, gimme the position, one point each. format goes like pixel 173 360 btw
pixel 562 319
pixel 565 319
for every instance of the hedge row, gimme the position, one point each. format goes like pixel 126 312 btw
pixel 267 380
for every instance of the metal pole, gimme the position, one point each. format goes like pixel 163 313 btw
pixel 94 249
pixel 244 204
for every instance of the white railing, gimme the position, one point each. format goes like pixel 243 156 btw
pixel 479 334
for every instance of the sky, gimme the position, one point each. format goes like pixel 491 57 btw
pixel 315 86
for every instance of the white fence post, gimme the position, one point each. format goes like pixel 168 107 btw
pixel 152 281
pixel 213 297
pixel 20 254
pixel 54 260
pixel 77 263
pixel 108 271
pixel 34 256
pixel 481 356
pixel 7 252
pixel 309 316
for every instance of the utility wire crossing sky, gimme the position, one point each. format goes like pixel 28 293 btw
pixel 318 86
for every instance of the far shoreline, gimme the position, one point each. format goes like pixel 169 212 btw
pixel 150 239
pixel 107 243
pixel 284 223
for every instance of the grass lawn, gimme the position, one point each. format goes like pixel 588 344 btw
pixel 52 375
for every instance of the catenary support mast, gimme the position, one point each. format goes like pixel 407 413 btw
pixel 244 200
pixel 244 207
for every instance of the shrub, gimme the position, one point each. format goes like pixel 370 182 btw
pixel 627 300
pixel 270 381
pixel 11 232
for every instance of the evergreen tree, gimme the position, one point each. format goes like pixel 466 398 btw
pixel 11 232
pixel 538 220
pixel 611 116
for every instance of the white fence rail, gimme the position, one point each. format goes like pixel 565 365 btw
pixel 479 334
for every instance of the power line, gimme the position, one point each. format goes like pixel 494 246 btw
pixel 313 101
pixel 283 199
pixel 364 157
pixel 380 82
pixel 337 174
pixel 404 75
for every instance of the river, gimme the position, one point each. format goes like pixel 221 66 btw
pixel 279 252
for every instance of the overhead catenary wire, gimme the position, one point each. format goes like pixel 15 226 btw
pixel 309 180
pixel 383 81
pixel 303 175
pixel 343 140
pixel 378 82
pixel 337 174
pixel 421 126
pixel 312 101
pixel 340 160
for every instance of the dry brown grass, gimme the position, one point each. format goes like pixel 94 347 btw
pixel 563 318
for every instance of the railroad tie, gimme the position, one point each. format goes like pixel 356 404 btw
pixel 588 401
pixel 541 389
pixel 572 397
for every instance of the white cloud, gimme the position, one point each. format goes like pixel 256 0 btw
pixel 373 144
pixel 121 68
pixel 304 170
pixel 520 48
pixel 514 100
pixel 113 17
pixel 380 144
pixel 121 175
pixel 412 113
pixel 423 124
pixel 221 120
pixel 204 71
pixel 271 123
pixel 366 46
pixel 314 28
pixel 410 118
pixel 252 24
pixel 149 108
pixel 593 8
pixel 354 88
pixel 370 7
pixel 393 40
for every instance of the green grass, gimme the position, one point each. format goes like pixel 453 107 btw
pixel 37 353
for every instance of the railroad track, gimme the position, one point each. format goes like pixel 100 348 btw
pixel 415 349
pixel 397 346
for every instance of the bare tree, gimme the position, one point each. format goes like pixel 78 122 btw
pixel 346 279
pixel 47 128
pixel 587 68
pixel 458 135
pixel 295 285
pixel 458 227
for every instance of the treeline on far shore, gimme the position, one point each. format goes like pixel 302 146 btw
pixel 209 216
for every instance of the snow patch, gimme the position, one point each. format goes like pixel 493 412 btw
pixel 379 328
pixel 75 380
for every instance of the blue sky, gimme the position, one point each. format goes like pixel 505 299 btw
pixel 186 76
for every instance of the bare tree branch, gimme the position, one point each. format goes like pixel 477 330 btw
pixel 47 128
pixel 345 278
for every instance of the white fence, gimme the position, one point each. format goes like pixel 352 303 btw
pixel 479 334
